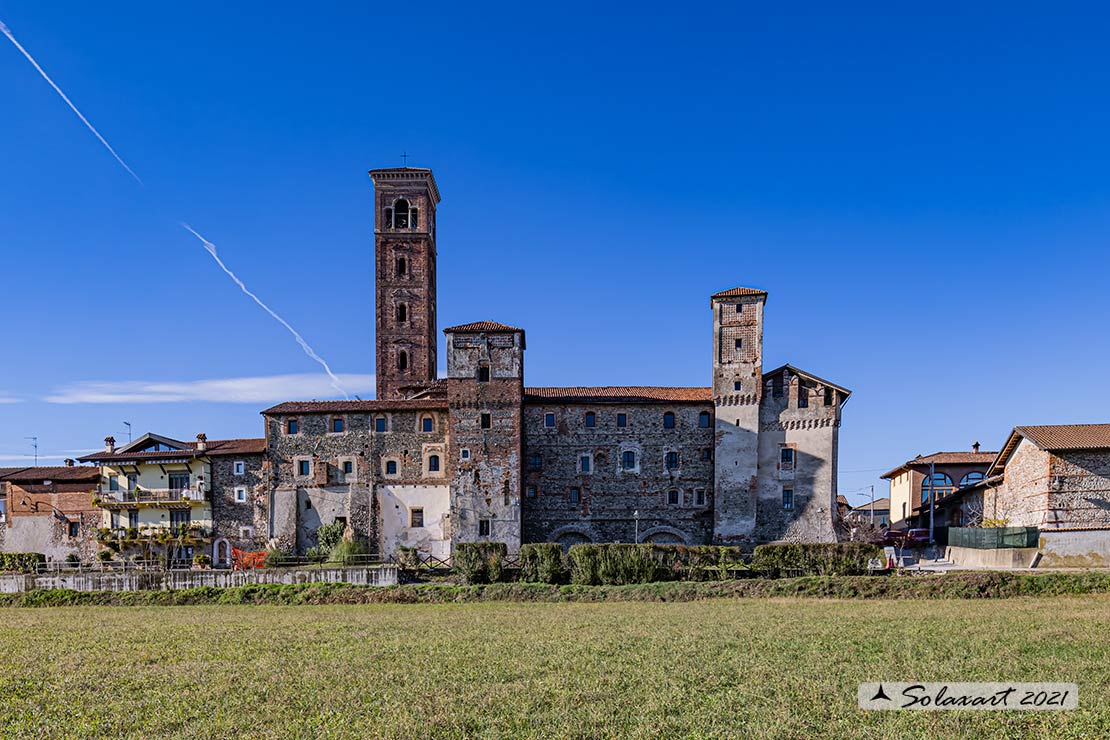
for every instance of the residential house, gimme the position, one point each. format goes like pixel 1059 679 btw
pixel 936 476
pixel 49 510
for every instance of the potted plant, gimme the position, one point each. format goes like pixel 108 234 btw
pixel 201 561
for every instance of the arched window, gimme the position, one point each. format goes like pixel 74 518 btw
pixel 391 467
pixel 403 360
pixel 970 479
pixel 940 485
pixel 402 313
pixel 402 267
pixel 704 419
pixel 433 463
pixel 400 214
pixel 668 420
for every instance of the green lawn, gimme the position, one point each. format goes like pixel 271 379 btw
pixel 718 668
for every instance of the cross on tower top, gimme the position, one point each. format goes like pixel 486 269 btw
pixel 405 158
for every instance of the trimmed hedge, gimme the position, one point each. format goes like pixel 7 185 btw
pixel 479 562
pixel 543 563
pixel 816 559
pixel 619 564
pixel 21 562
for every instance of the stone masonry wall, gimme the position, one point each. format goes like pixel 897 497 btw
pixel 1079 490
pixel 243 524
pixel 1023 498
pixel 608 494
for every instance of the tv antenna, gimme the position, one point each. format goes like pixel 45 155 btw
pixel 128 425
pixel 35 445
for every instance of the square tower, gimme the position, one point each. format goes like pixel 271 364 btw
pixel 737 392
pixel 405 200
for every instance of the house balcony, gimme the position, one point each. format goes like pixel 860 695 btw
pixel 171 498
pixel 191 532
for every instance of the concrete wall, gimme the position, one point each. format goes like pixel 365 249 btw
pixel 378 575
pixel 395 504
pixel 1003 557
pixel 1087 549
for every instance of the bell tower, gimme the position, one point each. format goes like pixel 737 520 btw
pixel 405 200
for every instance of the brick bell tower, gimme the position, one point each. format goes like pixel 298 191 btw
pixel 405 200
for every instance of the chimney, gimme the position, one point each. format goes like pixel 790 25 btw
pixel 110 444
pixel 70 462
pixel 202 442
pixel 975 446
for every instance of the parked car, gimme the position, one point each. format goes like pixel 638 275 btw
pixel 890 538
pixel 917 538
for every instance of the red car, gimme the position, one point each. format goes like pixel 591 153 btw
pixel 903 538
pixel 917 538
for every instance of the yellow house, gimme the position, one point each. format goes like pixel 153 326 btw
pixel 155 496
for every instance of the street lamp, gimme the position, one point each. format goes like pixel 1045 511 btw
pixel 636 516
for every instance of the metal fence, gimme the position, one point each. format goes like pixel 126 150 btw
pixel 993 539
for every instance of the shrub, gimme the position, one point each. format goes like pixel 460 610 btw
pixel 275 558
pixel 22 562
pixel 615 564
pixel 479 562
pixel 201 559
pixel 408 558
pixel 73 560
pixel 349 552
pixel 328 536
pixel 105 556
pixel 542 563
pixel 823 559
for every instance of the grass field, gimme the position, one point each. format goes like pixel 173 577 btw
pixel 703 669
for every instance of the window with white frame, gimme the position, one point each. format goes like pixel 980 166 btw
pixel 585 463
pixel 786 458
pixel 239 467
pixel 240 495
pixel 673 497
pixel 464 453
pixel 246 533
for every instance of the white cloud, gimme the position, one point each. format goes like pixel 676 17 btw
pixel 8 398
pixel 262 389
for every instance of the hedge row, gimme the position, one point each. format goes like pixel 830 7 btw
pixel 818 559
pixel 21 562
pixel 964 585
pixel 479 562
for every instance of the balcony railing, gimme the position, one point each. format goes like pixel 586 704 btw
pixel 150 495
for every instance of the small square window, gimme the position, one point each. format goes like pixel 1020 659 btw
pixel 672 498
pixel 706 454
pixel 484 527
pixel 487 421
pixel 337 425
pixel 240 467
pixel 530 492
pixel 379 424
pixel 737 386
pixel 549 421
pixel 575 495
pixel 416 517
pixel 73 529
pixel 464 454
pixel 246 533
pixel 240 495
pixel 292 426
pixel 739 344
pixel 348 467
pixel 622 420
pixel 304 468
pixel 391 467
pixel 584 463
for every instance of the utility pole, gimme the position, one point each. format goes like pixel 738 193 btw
pixel 35 445
pixel 932 497
pixel 128 425
pixel 872 487
pixel 636 516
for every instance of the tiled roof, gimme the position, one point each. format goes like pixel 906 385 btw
pixel 881 504
pixel 798 371
pixel 738 291
pixel 69 474
pixel 1069 436
pixel 488 326
pixel 322 407
pixel 619 394
pixel 216 448
pixel 944 458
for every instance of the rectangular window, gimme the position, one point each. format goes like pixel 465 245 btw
pixel 776 387
pixel 786 457
pixel 737 386
pixel 73 529
pixel 337 425
pixel 304 468
pixel 391 467
pixel 240 467
pixel 739 344
pixel 348 467
pixel 483 373
pixel 591 419
pixel 788 498
pixel 379 424
pixel 829 396
pixel 132 517
pixel 427 424
pixel 241 495
pixel 292 426
pixel 416 517
pixel 179 519
pixel 622 420
pixel 530 492
pixel 739 308
pixel 113 482
pixel 671 460
pixel 487 421
pixel 179 482
pixel 584 463
pixel 464 454
pixel 699 497
pixel 706 454
pixel 628 460
pixel 803 396
pixel 575 495
pixel 549 421
pixel 672 498
pixel 246 533
pixel 132 481
pixel 484 527
pixel 535 462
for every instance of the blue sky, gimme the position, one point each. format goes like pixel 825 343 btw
pixel 924 196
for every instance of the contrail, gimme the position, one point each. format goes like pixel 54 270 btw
pixel 31 59
pixel 211 248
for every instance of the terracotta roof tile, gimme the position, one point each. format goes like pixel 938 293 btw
pixel 618 394
pixel 487 326
pixel 216 448
pixel 1068 436
pixel 944 458
pixel 322 407
pixel 72 474
pixel 738 291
